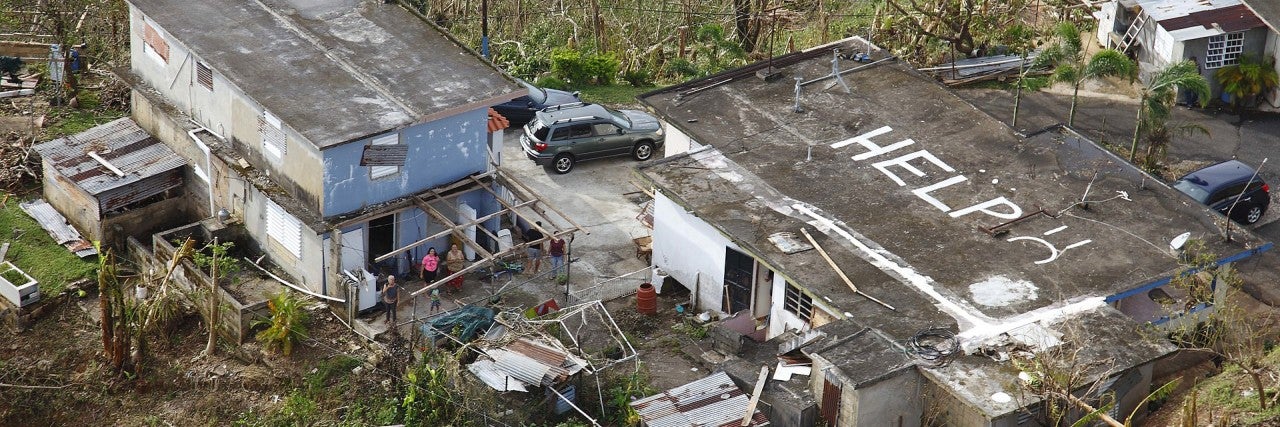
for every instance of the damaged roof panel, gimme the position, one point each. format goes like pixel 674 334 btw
pixel 122 146
pixel 710 401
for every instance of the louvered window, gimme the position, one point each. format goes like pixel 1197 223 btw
pixel 376 172
pixel 273 141
pixel 204 75
pixel 284 229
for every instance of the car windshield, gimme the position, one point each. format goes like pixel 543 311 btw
pixel 621 117
pixel 1192 189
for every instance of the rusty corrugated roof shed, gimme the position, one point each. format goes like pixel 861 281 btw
pixel 711 401
pixel 122 144
pixel 1230 19
pixel 1268 10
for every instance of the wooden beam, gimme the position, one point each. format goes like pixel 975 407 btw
pixel 840 272
pixel 407 201
pixel 104 162
pixel 534 195
pixel 504 203
pixel 755 395
pixel 457 231
pixel 440 234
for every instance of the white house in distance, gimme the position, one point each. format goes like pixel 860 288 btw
pixel 941 216
pixel 1269 12
pixel 1215 33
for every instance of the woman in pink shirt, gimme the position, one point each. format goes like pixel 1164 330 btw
pixel 430 264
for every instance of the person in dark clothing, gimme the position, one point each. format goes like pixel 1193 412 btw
pixel 535 250
pixel 391 296
pixel 556 251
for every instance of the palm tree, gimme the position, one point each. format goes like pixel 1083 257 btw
pixel 1247 79
pixel 1158 97
pixel 1066 56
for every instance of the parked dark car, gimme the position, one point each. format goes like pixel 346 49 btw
pixel 521 110
pixel 561 136
pixel 1220 185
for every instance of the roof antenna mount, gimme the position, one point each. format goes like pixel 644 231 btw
pixel 796 108
pixel 835 70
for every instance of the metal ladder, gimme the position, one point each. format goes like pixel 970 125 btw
pixel 1131 34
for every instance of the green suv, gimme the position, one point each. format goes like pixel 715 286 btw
pixel 563 135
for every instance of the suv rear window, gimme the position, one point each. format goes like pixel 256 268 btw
pixel 539 130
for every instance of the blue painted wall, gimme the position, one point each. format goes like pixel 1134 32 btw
pixel 440 152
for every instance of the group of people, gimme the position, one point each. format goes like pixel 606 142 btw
pixel 455 261
pixel 555 249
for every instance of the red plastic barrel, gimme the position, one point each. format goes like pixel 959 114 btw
pixel 647 299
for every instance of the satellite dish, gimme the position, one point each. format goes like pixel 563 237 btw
pixel 1178 242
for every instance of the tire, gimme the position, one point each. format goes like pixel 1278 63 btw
pixel 642 151
pixel 562 163
pixel 1252 215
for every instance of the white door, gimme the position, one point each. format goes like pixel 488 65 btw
pixel 466 214
pixel 353 251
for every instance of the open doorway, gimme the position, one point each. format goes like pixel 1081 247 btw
pixel 382 232
pixel 739 272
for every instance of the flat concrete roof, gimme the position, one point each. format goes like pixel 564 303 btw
pixel 334 70
pixel 1267 10
pixel 901 181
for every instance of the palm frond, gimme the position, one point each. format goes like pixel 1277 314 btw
pixel 1110 63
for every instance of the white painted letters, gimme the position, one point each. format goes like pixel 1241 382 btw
pixel 872 148
pixel 985 207
pixel 1054 253
pixel 923 192
pixel 883 166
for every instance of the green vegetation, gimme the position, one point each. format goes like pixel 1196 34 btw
pixel 613 94
pixel 13 276
pixel 32 250
pixel 287 325
pixel 1231 394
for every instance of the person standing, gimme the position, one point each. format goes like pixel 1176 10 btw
pixel 556 251
pixel 435 300
pixel 455 261
pixel 391 296
pixel 535 249
pixel 430 265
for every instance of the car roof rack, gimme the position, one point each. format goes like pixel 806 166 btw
pixel 563 106
pixel 575 119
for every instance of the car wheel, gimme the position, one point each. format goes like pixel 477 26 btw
pixel 1253 214
pixel 562 163
pixel 642 151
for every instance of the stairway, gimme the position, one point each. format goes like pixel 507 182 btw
pixel 1131 35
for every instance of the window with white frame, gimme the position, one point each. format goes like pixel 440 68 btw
pixel 798 303
pixel 284 229
pixel 273 140
pixel 376 172
pixel 154 44
pixel 1224 49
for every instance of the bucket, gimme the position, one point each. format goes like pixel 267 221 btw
pixel 646 299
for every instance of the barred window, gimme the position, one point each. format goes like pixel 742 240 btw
pixel 1224 49
pixel 798 303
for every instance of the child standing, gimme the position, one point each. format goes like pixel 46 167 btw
pixel 435 300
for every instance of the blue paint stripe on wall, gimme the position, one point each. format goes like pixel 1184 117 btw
pixel 1164 281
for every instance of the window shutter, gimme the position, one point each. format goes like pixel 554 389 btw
pixel 284 229
pixel 273 139
pixel 204 75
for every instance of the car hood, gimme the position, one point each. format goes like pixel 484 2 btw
pixel 641 121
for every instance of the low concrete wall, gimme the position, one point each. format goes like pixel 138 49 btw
pixel 237 317
pixel 142 222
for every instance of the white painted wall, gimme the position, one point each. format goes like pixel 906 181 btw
pixel 781 320
pixel 1272 50
pixel 676 142
pixel 1106 17
pixel 690 251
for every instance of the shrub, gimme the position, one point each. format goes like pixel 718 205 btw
pixel 287 324
pixel 582 68
pixel 552 82
pixel 638 77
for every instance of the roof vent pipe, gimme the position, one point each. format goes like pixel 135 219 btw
pixel 796 108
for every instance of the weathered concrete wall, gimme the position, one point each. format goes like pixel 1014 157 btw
pixel 1271 49
pixel 158 119
pixel 80 209
pixel 225 110
pixel 439 152
pixel 893 401
pixel 690 251
pixel 142 222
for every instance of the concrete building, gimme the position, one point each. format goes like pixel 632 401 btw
pixel 1269 12
pixel 942 218
pixel 341 134
pixel 1214 33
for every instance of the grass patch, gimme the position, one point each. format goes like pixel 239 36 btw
pixel 1231 392
pixel 622 94
pixel 35 252
pixel 13 276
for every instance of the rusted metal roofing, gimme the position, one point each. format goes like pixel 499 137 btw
pixel 531 362
pixel 124 146
pixel 711 401
pixel 57 227
pixel 1268 10
pixel 1230 19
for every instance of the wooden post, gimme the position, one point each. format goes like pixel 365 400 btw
pixel 755 395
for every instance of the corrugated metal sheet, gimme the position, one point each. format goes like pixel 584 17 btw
pixel 50 220
pixel 521 367
pixel 491 375
pixel 1231 19
pixel 711 401
pixel 122 144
